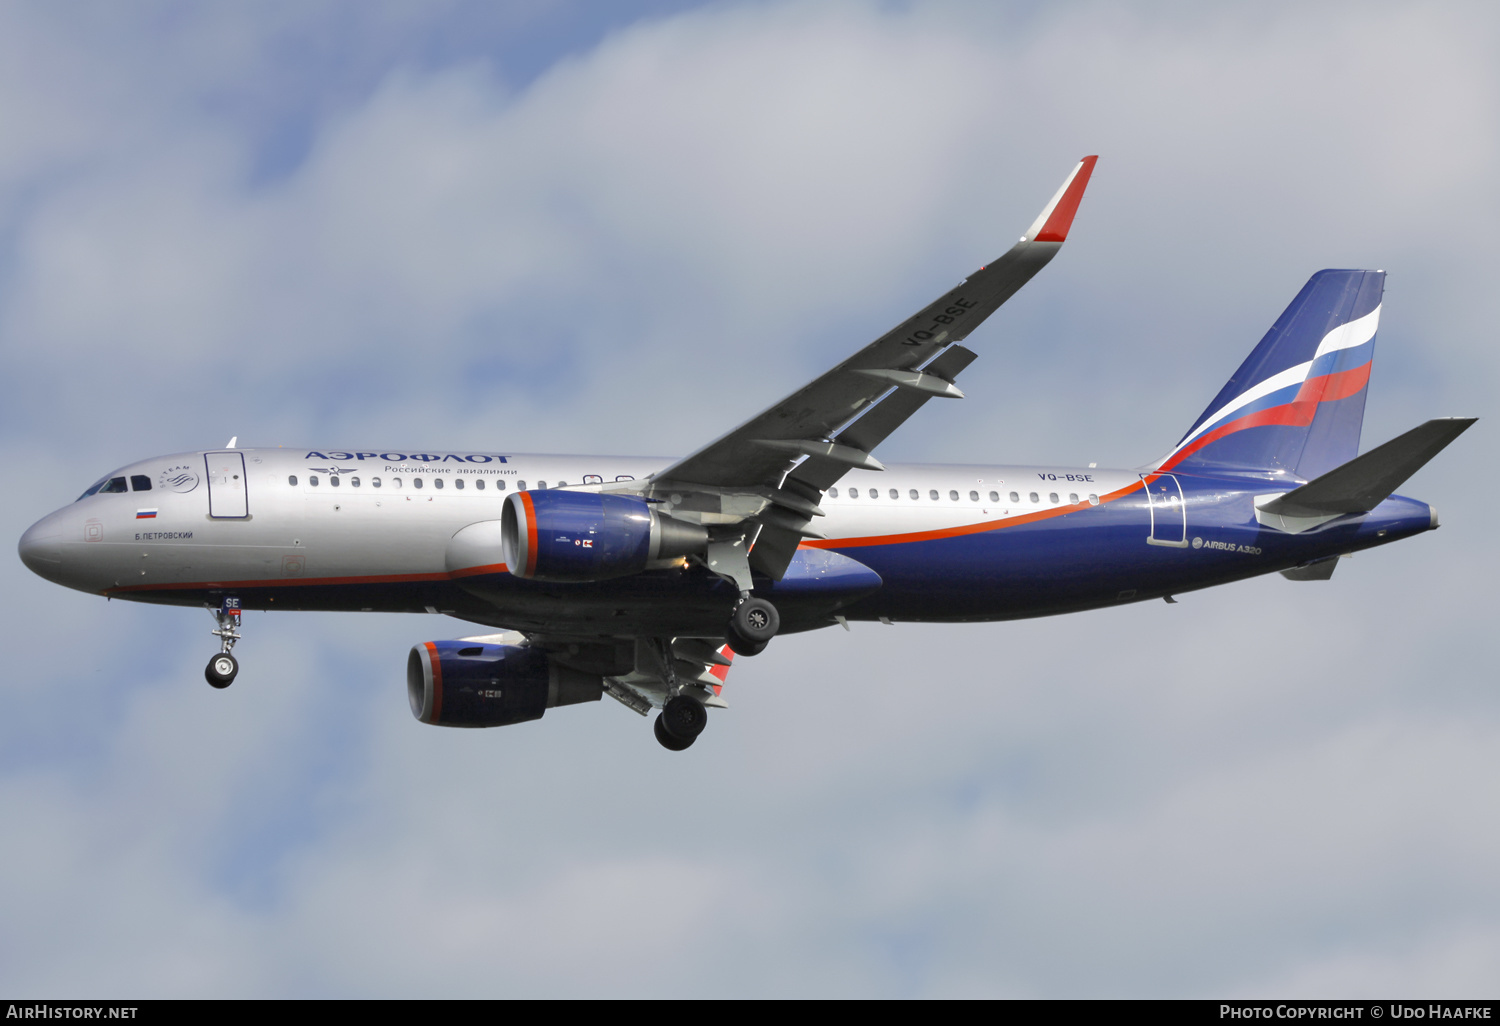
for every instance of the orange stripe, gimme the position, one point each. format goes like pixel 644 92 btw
pixel 490 568
pixel 530 534
pixel 824 543
pixel 311 582
pixel 437 682
pixel 956 532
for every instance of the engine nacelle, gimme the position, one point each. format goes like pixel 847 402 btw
pixel 471 684
pixel 589 536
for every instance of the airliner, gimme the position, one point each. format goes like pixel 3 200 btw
pixel 642 578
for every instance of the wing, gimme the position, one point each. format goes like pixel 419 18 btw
pixel 772 470
pixel 763 448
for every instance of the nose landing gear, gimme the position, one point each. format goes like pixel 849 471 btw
pixel 223 667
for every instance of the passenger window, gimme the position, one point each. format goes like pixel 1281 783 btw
pixel 458 483
pixel 854 493
pixel 333 480
pixel 540 485
pixel 1015 496
pixel 973 496
pixel 520 486
pixel 374 482
pixel 354 482
pixel 1093 500
pixel 1052 498
pixel 874 493
pixel 895 494
pixel 479 483
pixel 312 479
pixel 932 495
pixel 437 482
pixel 952 495
pixel 416 482
pixel 914 494
pixel 994 496
pixel 140 483
pixel 833 493
pixel 292 480
pixel 562 484
pixel 114 484
pixel 395 482
pixel 1073 498
pixel 500 485
pixel 1035 497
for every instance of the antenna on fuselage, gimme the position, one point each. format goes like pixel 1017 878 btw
pixel 236 438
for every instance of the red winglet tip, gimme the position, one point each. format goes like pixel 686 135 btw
pixel 1056 228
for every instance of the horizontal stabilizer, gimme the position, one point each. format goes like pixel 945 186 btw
pixel 1365 481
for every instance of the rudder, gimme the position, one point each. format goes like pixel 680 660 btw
pixel 1297 403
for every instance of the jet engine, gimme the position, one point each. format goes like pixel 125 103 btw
pixel 471 684
pixel 589 536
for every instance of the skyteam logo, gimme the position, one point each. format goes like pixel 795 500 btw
pixel 418 457
pixel 181 478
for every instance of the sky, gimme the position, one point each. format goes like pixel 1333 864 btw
pixel 625 228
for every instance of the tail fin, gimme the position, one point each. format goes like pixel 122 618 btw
pixel 1298 402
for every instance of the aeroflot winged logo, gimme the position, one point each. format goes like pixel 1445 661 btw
pixel 397 457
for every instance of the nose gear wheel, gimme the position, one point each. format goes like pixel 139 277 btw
pixel 222 670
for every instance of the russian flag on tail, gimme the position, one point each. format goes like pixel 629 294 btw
pixel 1297 404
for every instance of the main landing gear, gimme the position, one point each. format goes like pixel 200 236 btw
pixel 752 625
pixel 223 667
pixel 681 720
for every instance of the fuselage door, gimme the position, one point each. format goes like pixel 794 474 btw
pixel 226 485
pixel 1168 511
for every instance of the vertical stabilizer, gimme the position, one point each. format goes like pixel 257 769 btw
pixel 1297 403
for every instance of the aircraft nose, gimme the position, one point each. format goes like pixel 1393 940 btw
pixel 41 548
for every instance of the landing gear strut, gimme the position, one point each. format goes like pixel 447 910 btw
pixel 223 667
pixel 752 626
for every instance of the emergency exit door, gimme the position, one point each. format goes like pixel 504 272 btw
pixel 226 485
pixel 1168 511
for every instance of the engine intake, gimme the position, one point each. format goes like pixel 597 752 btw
pixel 589 536
pixel 470 684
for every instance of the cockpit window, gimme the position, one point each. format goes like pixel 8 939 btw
pixel 92 488
pixel 114 484
pixel 140 483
